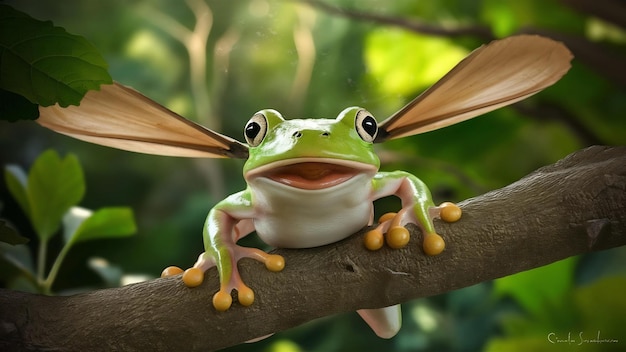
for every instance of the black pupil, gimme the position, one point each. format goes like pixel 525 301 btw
pixel 369 125
pixel 252 130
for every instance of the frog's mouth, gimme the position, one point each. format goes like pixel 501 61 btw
pixel 311 173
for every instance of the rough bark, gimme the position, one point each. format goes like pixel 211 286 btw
pixel 575 206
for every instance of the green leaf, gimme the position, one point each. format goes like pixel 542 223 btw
pixel 533 289
pixel 44 63
pixel 17 181
pixel 107 222
pixel 14 107
pixel 9 235
pixel 72 221
pixel 54 185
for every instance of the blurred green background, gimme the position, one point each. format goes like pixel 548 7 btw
pixel 307 60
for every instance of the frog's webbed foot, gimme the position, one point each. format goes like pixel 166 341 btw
pixel 230 278
pixel 222 300
pixel 390 228
pixel 397 236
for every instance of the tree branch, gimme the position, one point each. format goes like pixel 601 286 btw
pixel 575 206
pixel 478 31
pixel 595 55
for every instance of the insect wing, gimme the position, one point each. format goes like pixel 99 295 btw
pixel 120 117
pixel 494 75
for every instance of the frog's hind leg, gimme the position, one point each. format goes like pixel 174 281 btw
pixel 385 322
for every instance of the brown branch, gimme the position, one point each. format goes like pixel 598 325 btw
pixel 477 31
pixel 575 206
pixel 613 11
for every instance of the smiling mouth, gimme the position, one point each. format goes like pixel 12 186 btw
pixel 311 174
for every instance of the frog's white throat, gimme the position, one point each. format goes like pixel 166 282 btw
pixel 291 217
pixel 310 174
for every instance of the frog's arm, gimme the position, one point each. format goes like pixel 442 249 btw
pixel 417 207
pixel 227 222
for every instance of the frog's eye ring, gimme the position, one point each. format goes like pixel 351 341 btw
pixel 366 126
pixel 256 129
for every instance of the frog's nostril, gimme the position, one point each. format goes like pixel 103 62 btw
pixel 297 134
pixel 325 134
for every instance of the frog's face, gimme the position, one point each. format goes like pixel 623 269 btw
pixel 311 153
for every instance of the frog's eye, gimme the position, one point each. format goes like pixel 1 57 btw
pixel 366 125
pixel 255 129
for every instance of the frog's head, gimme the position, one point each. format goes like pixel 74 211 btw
pixel 311 153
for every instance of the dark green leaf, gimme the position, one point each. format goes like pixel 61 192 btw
pixel 9 235
pixel 54 185
pixel 14 107
pixel 44 63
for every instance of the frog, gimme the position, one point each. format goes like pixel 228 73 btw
pixel 311 182
pixel 325 174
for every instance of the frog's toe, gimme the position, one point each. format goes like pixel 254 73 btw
pixel 374 239
pixel 433 244
pixel 387 217
pixel 222 300
pixel 245 295
pixel 274 262
pixel 193 277
pixel 398 237
pixel 449 212
pixel 171 271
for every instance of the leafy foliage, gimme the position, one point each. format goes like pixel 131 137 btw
pixel 587 318
pixel 52 187
pixel 48 195
pixel 84 225
pixel 44 65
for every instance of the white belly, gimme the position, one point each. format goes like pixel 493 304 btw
pixel 294 218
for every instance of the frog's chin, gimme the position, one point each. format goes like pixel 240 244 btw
pixel 311 173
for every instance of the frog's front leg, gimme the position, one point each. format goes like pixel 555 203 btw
pixel 227 222
pixel 417 207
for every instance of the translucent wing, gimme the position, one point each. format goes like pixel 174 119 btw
pixel 492 76
pixel 120 117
